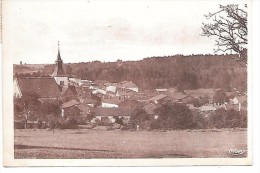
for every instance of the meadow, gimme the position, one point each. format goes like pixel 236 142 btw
pixel 89 143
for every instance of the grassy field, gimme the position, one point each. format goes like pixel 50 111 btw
pixel 72 144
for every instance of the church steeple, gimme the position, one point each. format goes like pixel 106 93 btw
pixel 58 56
pixel 58 70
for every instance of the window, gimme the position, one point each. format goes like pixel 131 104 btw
pixel 61 83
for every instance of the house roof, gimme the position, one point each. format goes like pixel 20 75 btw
pixel 207 108
pixel 128 84
pixel 100 82
pixel 133 104
pixel 70 103
pixel 231 95
pixel 175 95
pixel 84 107
pixel 44 87
pixel 89 101
pixel 112 112
pixel 242 99
pixel 66 89
pixel 113 100
pixel 110 84
pixel 125 92
pixel 202 92
pixel 161 89
pixel 158 97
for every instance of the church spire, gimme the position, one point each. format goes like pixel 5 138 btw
pixel 58 56
pixel 58 70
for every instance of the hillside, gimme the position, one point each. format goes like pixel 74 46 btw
pixel 184 72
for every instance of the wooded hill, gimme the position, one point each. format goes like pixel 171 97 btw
pixel 184 72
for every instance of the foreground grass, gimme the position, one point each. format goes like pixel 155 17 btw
pixel 79 144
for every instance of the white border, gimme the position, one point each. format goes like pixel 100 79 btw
pixel 254 96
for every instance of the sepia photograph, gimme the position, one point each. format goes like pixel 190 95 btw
pixel 136 83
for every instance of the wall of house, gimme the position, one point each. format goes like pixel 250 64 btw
pixel 64 79
pixel 134 89
pixel 17 91
pixel 99 91
pixel 111 118
pixel 109 105
pixel 111 88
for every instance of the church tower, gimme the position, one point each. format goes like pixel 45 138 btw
pixel 59 74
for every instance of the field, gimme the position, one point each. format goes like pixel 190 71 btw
pixel 80 144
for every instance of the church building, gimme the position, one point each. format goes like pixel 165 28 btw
pixel 59 73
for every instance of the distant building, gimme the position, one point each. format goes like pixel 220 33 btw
pixel 129 85
pixel 59 73
pixel 112 103
pixel 158 99
pixel 110 87
pixel 68 93
pixel 109 115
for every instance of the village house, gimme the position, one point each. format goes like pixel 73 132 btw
pixel 207 108
pixel 76 109
pixel 68 93
pixel 69 108
pixel 86 83
pixel 111 102
pixel 161 90
pixel 110 87
pixel 89 102
pixel 74 81
pixel 124 93
pixel 133 104
pixel 234 100
pixel 159 99
pixel 128 85
pixel 99 91
pixel 201 92
pixel 150 110
pixel 175 96
pixel 43 87
pixel 109 115
pixel 84 109
pixel 229 106
pixel 109 94
pixel 100 84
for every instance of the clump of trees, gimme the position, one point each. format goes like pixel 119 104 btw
pixel 177 116
pixel 228 119
pixel 30 108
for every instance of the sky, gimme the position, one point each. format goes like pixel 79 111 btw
pixel 104 30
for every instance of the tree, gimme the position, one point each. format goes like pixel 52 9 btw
pixel 220 97
pixel 51 112
pixel 139 117
pixel 175 116
pixel 26 107
pixel 229 26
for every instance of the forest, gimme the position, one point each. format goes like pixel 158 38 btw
pixel 183 72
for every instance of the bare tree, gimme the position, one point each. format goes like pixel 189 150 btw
pixel 229 27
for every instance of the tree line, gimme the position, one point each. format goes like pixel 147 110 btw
pixel 183 72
